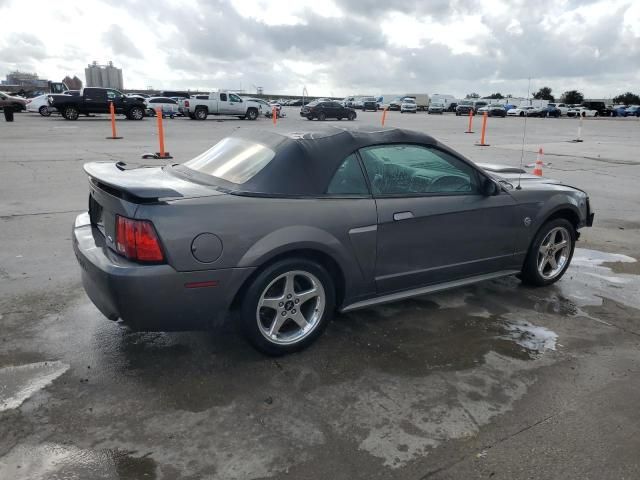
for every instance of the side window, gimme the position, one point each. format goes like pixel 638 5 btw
pixel 348 179
pixel 235 98
pixel 414 170
pixel 155 100
pixel 172 101
pixel 223 97
pixel 113 94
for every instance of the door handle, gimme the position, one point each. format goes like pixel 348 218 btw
pixel 402 216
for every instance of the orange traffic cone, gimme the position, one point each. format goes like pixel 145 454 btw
pixel 538 168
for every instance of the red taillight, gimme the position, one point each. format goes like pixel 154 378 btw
pixel 186 103
pixel 137 240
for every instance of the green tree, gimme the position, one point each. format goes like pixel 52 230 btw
pixel 496 96
pixel 572 97
pixel 472 95
pixel 544 94
pixel 627 99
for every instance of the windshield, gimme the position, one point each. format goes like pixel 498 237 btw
pixel 496 105
pixel 464 102
pixel 235 160
pixel 409 100
pixel 437 104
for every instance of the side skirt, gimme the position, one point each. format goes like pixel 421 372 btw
pixel 394 297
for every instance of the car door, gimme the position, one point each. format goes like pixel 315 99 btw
pixel 117 98
pixel 434 224
pixel 95 101
pixel 236 104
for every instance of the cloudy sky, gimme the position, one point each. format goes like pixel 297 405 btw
pixel 333 47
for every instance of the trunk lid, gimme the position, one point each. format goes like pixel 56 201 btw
pixel 118 189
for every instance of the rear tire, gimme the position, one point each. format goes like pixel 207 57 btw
pixel 261 312
pixel 70 113
pixel 200 114
pixel 532 272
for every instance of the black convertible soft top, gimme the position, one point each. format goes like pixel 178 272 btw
pixel 304 163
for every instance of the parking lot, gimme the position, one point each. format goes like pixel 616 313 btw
pixel 494 381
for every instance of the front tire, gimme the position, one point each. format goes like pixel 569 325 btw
pixel 322 116
pixel 44 111
pixel 550 253
pixel 287 306
pixel 136 113
pixel 352 116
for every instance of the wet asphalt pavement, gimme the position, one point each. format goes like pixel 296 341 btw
pixel 494 381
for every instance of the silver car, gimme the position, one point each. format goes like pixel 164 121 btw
pixel 286 229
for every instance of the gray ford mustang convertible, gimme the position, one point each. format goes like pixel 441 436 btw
pixel 285 229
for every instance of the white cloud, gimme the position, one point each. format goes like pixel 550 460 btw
pixel 333 47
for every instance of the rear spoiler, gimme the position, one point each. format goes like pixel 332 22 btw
pixel 142 184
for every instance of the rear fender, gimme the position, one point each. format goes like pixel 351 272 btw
pixel 289 239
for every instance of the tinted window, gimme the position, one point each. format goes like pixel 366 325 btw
pixel 335 105
pixel 223 97
pixel 235 160
pixel 348 179
pixel 112 94
pixel 155 100
pixel 411 170
pixel 234 98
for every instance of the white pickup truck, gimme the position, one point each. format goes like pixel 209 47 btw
pixel 219 103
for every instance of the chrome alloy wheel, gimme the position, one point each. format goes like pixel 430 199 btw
pixel 291 307
pixel 553 253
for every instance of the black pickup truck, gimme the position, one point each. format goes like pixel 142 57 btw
pixel 96 100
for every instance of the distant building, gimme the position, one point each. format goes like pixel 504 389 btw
pixel 25 79
pixel 72 83
pixel 106 76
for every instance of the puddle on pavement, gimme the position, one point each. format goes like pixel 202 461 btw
pixel 395 380
pixel 52 461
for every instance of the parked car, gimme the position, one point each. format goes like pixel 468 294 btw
pixel 327 109
pixel 17 103
pixel 40 105
pixel 560 106
pixel 422 100
pixel 493 110
pixel 551 111
pixel 452 107
pixel 478 105
pixel 395 104
pixel 435 107
pixel 286 229
pixel 464 107
pixel 599 107
pixel 358 103
pixel 632 111
pixel 619 111
pixel 97 100
pixel 369 103
pixel 168 105
pixel 219 103
pixel 408 105
pixel 525 110
pixel 581 112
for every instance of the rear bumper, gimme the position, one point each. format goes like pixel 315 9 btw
pixel 151 297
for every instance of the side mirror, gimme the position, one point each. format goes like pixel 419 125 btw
pixel 490 188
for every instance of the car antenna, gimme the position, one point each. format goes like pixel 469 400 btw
pixel 524 136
